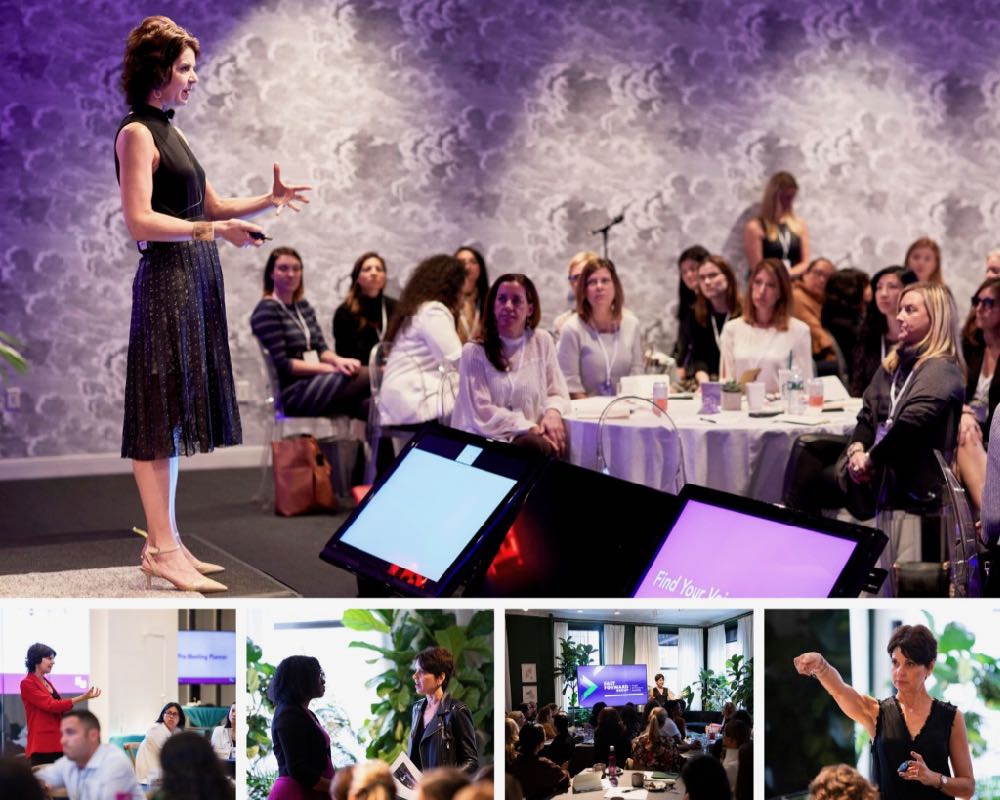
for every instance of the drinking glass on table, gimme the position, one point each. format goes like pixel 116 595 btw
pixel 814 388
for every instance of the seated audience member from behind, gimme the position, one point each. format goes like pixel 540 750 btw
pixel 89 769
pixel 705 779
pixel 841 782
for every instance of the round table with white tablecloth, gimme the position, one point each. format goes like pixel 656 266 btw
pixel 672 792
pixel 730 450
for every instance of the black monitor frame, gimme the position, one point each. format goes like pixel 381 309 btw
pixel 856 575
pixel 482 544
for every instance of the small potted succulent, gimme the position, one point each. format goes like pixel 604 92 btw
pixel 732 395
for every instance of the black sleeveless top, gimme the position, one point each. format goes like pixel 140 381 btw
pixel 179 180
pixel 892 746
pixel 773 248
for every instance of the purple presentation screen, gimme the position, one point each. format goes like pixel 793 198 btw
pixel 716 552
pixel 615 685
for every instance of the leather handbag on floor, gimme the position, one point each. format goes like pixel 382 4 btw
pixel 301 477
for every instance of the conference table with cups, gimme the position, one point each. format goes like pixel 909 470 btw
pixel 632 784
pixel 737 451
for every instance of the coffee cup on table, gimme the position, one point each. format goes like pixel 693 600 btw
pixel 755 396
pixel 637 779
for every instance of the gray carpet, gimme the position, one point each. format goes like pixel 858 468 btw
pixel 68 523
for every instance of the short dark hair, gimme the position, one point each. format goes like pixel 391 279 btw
pixel 36 653
pixel 657 676
pixel 181 721
pixel 916 642
pixel 150 52
pixel 437 661
pixel 705 779
pixel 269 270
pixel 693 253
pixel 531 735
pixel 295 680
pixel 191 768
pixel 671 706
pixel 87 718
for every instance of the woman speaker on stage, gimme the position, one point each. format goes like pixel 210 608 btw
pixel 919 745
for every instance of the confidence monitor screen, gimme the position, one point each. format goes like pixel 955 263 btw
pixel 206 657
pixel 721 545
pixel 421 527
pixel 615 685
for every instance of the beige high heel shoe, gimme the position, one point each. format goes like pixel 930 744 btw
pixel 204 567
pixel 151 567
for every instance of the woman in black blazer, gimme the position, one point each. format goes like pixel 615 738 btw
pixel 301 744
pixel 442 733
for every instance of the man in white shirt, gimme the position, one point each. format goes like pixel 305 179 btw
pixel 88 769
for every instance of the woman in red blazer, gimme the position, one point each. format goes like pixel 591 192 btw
pixel 44 707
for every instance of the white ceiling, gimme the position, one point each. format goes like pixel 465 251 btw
pixel 651 616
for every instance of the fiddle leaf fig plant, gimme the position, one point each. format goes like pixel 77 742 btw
pixel 572 655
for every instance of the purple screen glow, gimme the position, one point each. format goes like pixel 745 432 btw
pixel 714 552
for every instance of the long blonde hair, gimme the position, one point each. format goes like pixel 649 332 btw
pixel 770 213
pixel 942 340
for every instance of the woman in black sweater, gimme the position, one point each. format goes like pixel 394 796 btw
pixel 360 321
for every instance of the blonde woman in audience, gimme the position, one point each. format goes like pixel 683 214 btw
pixel 510 384
pixel 767 337
pixel 572 276
pixel 601 342
pixel 778 232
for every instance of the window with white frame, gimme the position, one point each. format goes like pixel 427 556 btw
pixel 669 648
pixel 733 647
pixel 588 635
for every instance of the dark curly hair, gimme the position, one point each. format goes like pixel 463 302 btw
pixel 295 680
pixel 916 642
pixel 269 271
pixel 192 771
pixel 150 52
pixel 438 278
pixel 437 661
pixel 181 719
pixel 841 782
pixel 482 282
pixel 490 335
pixel 36 653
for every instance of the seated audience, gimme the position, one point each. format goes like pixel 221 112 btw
pixel 766 338
pixel 474 289
pixel 340 786
pixel 191 771
pixel 847 295
pixel 912 406
pixel 595 712
pixel 656 748
pixel 224 736
pixel 980 346
pixel 990 512
pixel 630 719
pixel 441 783
pixel 610 732
pixel 510 384
pixel 314 381
pixel 809 294
pixel 538 776
pixel 675 709
pixel 602 341
pixel 544 718
pixel 572 276
pixel 688 291
pixel 923 262
pixel 511 734
pixel 371 780
pixel 360 321
pixel 147 758
pixel 744 773
pixel 89 769
pixel 717 302
pixel 560 749
pixel 705 779
pixel 879 329
pixel 841 782
pixel 518 717
pixel 423 343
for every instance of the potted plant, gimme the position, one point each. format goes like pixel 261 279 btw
pixel 739 672
pixel 572 655
pixel 732 395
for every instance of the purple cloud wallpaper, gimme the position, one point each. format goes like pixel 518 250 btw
pixel 518 126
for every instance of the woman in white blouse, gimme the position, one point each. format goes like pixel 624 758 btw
pixel 767 337
pixel 147 757
pixel 510 384
pixel 601 342
pixel 224 736
pixel 423 344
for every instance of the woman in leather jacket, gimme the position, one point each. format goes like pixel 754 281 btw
pixel 442 733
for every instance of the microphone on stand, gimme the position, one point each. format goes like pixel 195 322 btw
pixel 604 231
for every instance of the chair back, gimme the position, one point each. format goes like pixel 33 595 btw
pixel 131 748
pixel 273 383
pixel 679 477
pixel 959 530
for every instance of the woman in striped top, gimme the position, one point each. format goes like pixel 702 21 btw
pixel 314 380
pixel 510 384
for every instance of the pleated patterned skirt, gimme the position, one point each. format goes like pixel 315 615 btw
pixel 179 394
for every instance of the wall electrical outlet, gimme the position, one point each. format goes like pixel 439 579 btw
pixel 12 398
